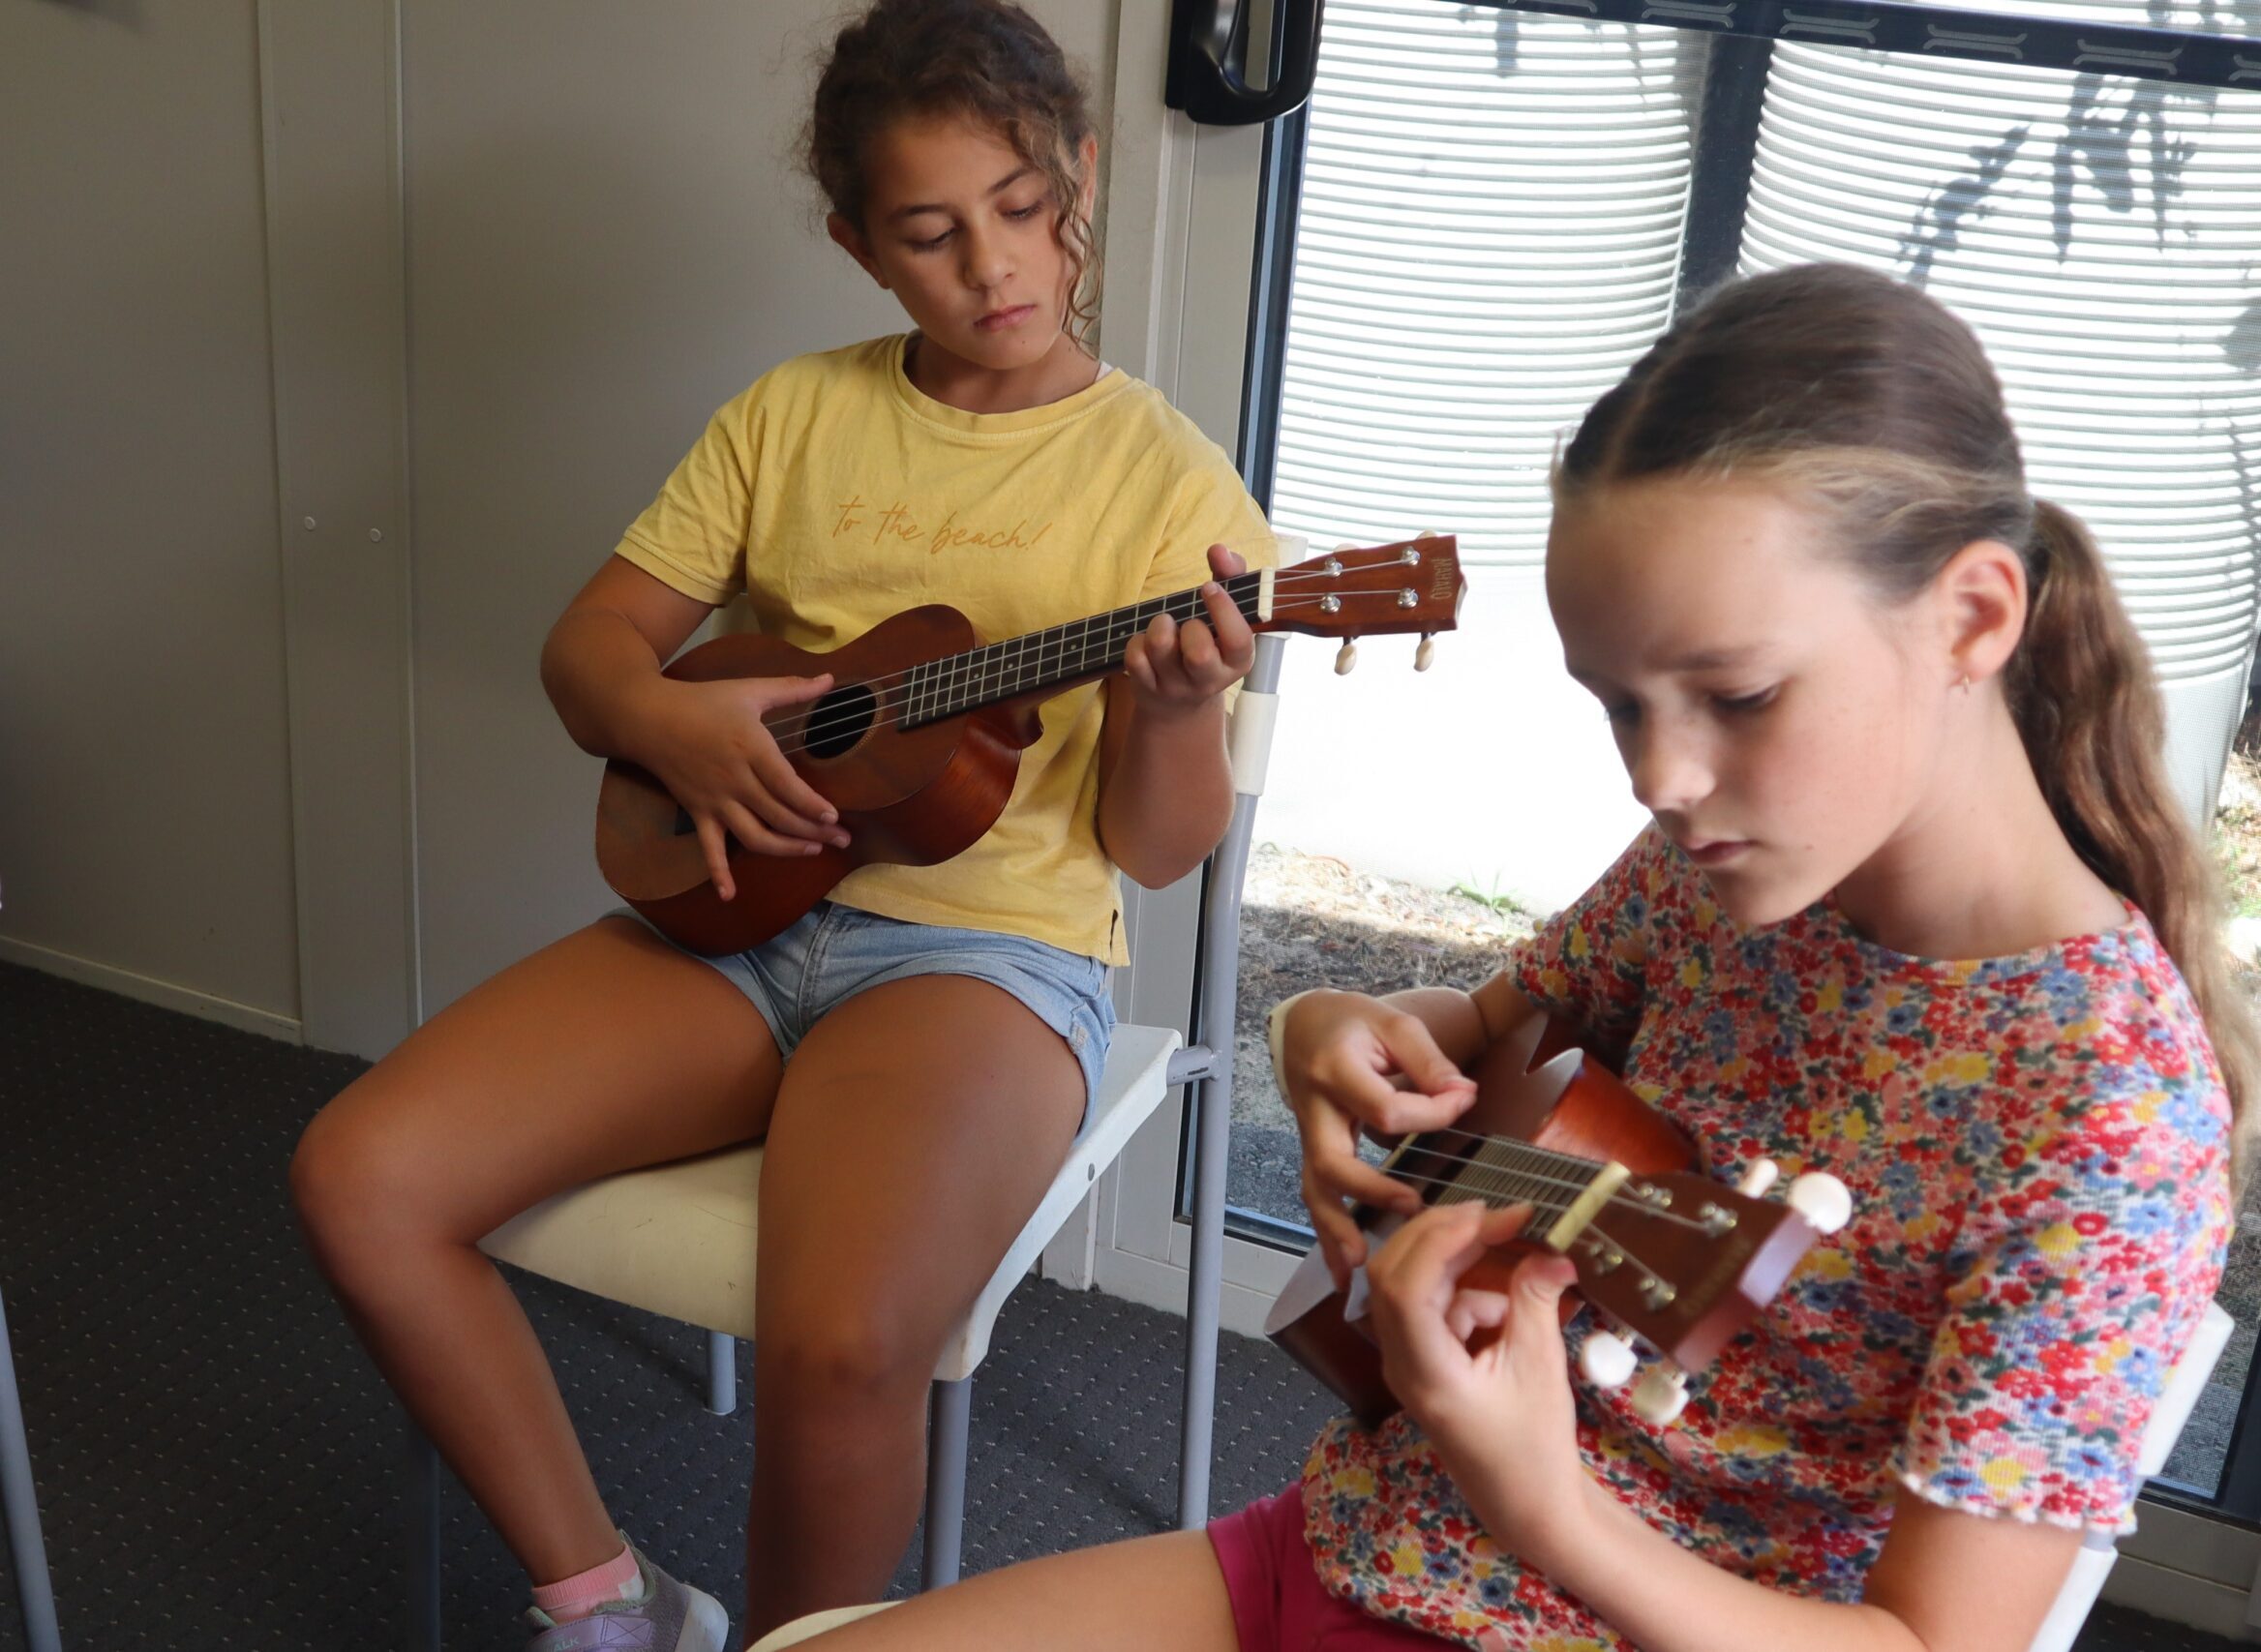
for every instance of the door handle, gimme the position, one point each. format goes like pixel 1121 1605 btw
pixel 1208 61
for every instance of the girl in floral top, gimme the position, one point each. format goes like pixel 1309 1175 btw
pixel 1919 909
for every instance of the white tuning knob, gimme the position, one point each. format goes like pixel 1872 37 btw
pixel 1346 656
pixel 1759 1178
pixel 1605 1360
pixel 1660 1393
pixel 1425 654
pixel 1821 1200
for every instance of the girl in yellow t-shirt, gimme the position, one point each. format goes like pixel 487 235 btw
pixel 918 1051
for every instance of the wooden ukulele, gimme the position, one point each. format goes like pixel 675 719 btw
pixel 1669 1253
pixel 919 739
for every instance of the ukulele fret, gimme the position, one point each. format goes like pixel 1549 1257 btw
pixel 1500 1171
pixel 1497 1171
pixel 1557 1222
pixel 1505 1170
pixel 1035 660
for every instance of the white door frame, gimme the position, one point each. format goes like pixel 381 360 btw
pixel 1180 238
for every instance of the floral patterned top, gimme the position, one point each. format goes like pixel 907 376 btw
pixel 2037 1153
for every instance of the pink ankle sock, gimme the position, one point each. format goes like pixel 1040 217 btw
pixel 577 1596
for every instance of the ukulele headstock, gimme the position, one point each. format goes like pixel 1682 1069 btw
pixel 1414 584
pixel 1682 1260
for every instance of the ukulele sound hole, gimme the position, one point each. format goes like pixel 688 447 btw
pixel 685 826
pixel 837 721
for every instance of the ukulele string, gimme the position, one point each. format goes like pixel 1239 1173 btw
pixel 891 711
pixel 1515 1169
pixel 1529 1152
pixel 960 674
pixel 1531 1160
pixel 1504 1195
pixel 1516 1179
pixel 1593 1233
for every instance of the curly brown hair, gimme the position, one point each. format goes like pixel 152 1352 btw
pixel 987 60
pixel 1876 405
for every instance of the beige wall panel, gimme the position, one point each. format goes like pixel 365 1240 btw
pixel 144 810
pixel 339 341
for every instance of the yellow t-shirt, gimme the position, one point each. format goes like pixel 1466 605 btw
pixel 836 496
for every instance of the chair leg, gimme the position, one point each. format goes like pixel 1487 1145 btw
pixel 1204 1284
pixel 19 1505
pixel 1212 1099
pixel 721 1373
pixel 949 1413
pixel 421 1497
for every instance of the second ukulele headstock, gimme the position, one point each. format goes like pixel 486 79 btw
pixel 1410 586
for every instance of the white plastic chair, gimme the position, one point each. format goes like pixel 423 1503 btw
pixel 808 1628
pixel 679 1239
pixel 2099 1549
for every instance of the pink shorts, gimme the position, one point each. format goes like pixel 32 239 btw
pixel 1278 1605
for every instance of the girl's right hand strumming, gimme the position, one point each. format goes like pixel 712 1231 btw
pixel 706 742
pixel 1350 1063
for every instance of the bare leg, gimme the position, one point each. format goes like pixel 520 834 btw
pixel 1124 1596
pixel 607 1050
pixel 917 1128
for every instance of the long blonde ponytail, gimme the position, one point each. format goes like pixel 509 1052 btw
pixel 2088 710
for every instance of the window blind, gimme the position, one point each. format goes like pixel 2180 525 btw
pixel 1490 229
pixel 2101 235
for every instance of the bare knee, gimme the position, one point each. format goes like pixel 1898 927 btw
pixel 355 1181
pixel 848 1354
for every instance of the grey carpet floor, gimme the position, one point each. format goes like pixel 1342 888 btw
pixel 218 1467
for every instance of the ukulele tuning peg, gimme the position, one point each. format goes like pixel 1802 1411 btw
pixel 1604 1359
pixel 1660 1393
pixel 1759 1178
pixel 1424 655
pixel 1346 656
pixel 1821 1200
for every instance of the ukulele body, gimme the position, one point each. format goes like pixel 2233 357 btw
pixel 1538 1086
pixel 907 796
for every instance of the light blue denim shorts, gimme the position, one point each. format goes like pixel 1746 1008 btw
pixel 836 951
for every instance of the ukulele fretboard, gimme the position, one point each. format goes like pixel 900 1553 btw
pixel 1451 1168
pixel 1059 656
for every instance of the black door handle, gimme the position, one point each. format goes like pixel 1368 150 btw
pixel 1208 61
